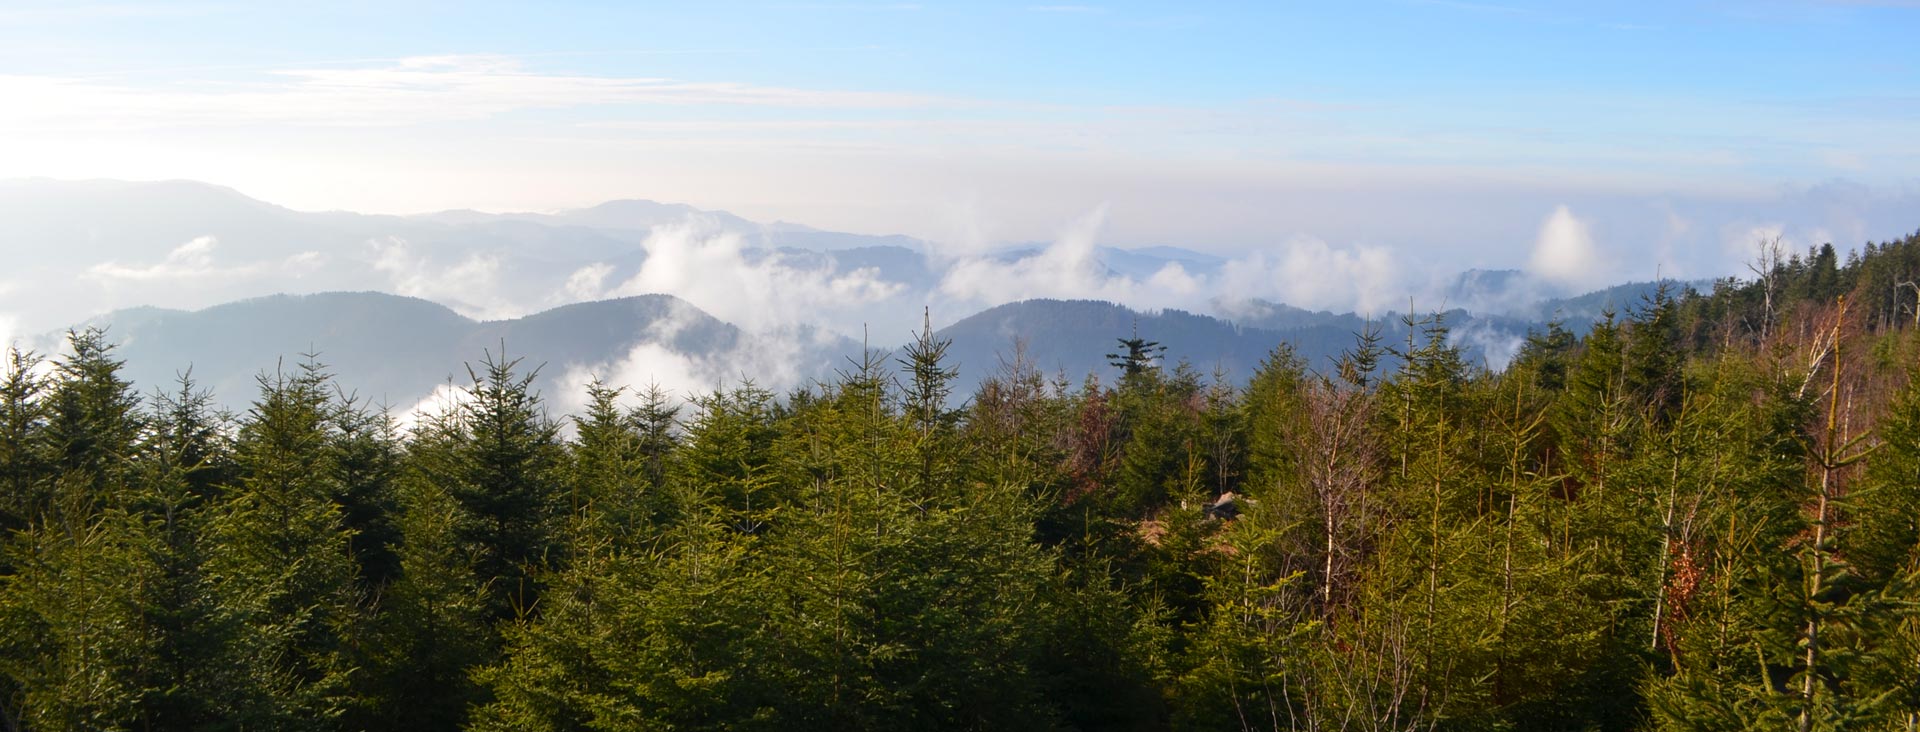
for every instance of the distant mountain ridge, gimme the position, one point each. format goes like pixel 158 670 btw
pixel 397 350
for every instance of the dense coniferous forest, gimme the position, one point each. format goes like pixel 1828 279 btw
pixel 1702 514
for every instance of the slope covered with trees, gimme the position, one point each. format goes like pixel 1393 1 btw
pixel 1702 514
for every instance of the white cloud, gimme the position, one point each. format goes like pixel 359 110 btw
pixel 771 358
pixel 9 323
pixel 1564 252
pixel 193 259
pixel 1311 273
pixel 1174 280
pixel 702 263
pixel 646 364
pixel 586 283
pixel 444 399
pixel 1498 346
pixel 1067 268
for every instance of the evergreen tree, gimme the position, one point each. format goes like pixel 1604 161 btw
pixel 656 419
pixel 191 676
pixel 1653 360
pixel 616 495
pixel 93 427
pixel 1138 355
pixel 284 566
pixel 25 467
pixel 433 629
pixel 926 411
pixel 366 464
pixel 70 645
pixel 728 455
pixel 1547 357
pixel 505 472
pixel 73 608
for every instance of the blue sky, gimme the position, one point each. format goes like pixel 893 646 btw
pixel 1405 123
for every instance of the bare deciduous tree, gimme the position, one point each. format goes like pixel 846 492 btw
pixel 1766 268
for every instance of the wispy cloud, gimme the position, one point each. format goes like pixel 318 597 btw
pixel 408 91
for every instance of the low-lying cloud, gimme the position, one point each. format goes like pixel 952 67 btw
pixel 775 358
pixel 1302 271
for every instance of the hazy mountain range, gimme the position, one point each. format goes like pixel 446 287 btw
pixel 186 274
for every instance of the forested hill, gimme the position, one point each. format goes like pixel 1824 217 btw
pixel 1703 514
pixel 395 350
